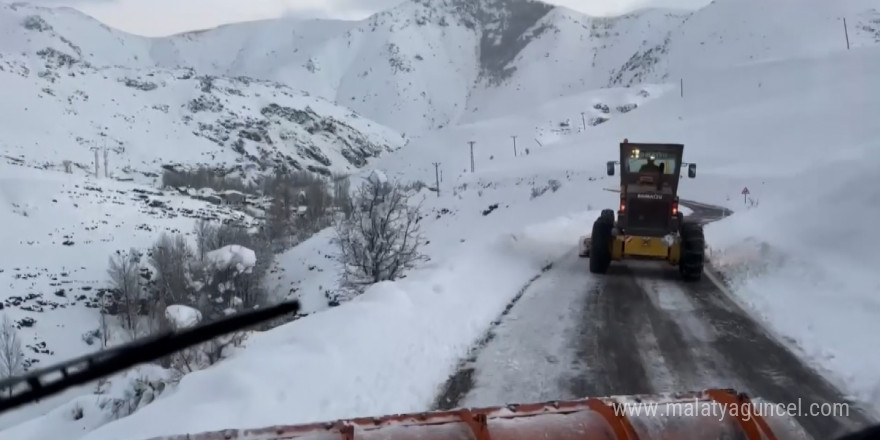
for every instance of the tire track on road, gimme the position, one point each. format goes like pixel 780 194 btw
pixel 767 368
pixel 700 366
pixel 460 383
pixel 760 364
pixel 606 346
pixel 640 330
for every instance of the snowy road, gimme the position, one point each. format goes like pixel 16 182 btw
pixel 637 329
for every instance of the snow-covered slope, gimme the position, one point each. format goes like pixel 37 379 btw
pixel 59 231
pixel 73 91
pixel 155 117
pixel 765 125
pixel 731 32
pixel 26 29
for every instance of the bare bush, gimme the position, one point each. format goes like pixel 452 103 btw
pixel 317 201
pixel 300 206
pixel 124 272
pixel 171 257
pixel 127 393
pixel 218 289
pixel 281 215
pixel 11 355
pixel 104 330
pixel 380 240
pixel 342 195
pixel 204 355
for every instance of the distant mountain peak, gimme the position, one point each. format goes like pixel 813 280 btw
pixel 505 27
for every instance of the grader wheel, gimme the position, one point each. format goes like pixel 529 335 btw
pixel 693 248
pixel 600 242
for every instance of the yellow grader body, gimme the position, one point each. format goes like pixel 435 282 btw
pixel 710 414
pixel 633 246
pixel 648 223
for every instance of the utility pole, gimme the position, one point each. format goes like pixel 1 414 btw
pixel 97 163
pixel 584 121
pixel 472 155
pixel 846 33
pixel 106 167
pixel 514 145
pixel 437 176
pixel 681 86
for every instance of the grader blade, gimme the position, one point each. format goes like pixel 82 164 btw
pixel 710 414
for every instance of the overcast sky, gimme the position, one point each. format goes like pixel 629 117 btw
pixel 164 17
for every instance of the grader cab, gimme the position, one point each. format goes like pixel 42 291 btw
pixel 649 224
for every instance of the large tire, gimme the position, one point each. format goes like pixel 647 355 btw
pixel 693 250
pixel 600 244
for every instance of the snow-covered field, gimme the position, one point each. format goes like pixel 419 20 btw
pixel 796 126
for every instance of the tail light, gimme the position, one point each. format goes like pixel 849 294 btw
pixel 674 208
pixel 622 205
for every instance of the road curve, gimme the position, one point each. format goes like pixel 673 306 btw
pixel 637 329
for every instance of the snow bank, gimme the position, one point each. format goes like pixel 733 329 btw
pixel 384 352
pixel 182 317
pixel 306 271
pixel 808 268
pixel 234 256
pixel 378 177
pixel 119 395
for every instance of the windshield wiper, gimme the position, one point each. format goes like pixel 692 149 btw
pixel 40 383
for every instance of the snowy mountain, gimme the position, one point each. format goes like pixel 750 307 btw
pixel 429 64
pixel 423 65
pixel 769 100
pixel 59 66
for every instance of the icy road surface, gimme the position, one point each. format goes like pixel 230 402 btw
pixel 636 330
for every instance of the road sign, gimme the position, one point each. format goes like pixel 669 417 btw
pixel 745 193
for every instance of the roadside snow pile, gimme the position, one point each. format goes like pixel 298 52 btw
pixel 115 397
pixel 808 267
pixel 182 317
pixel 389 333
pixel 391 348
pixel 232 256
